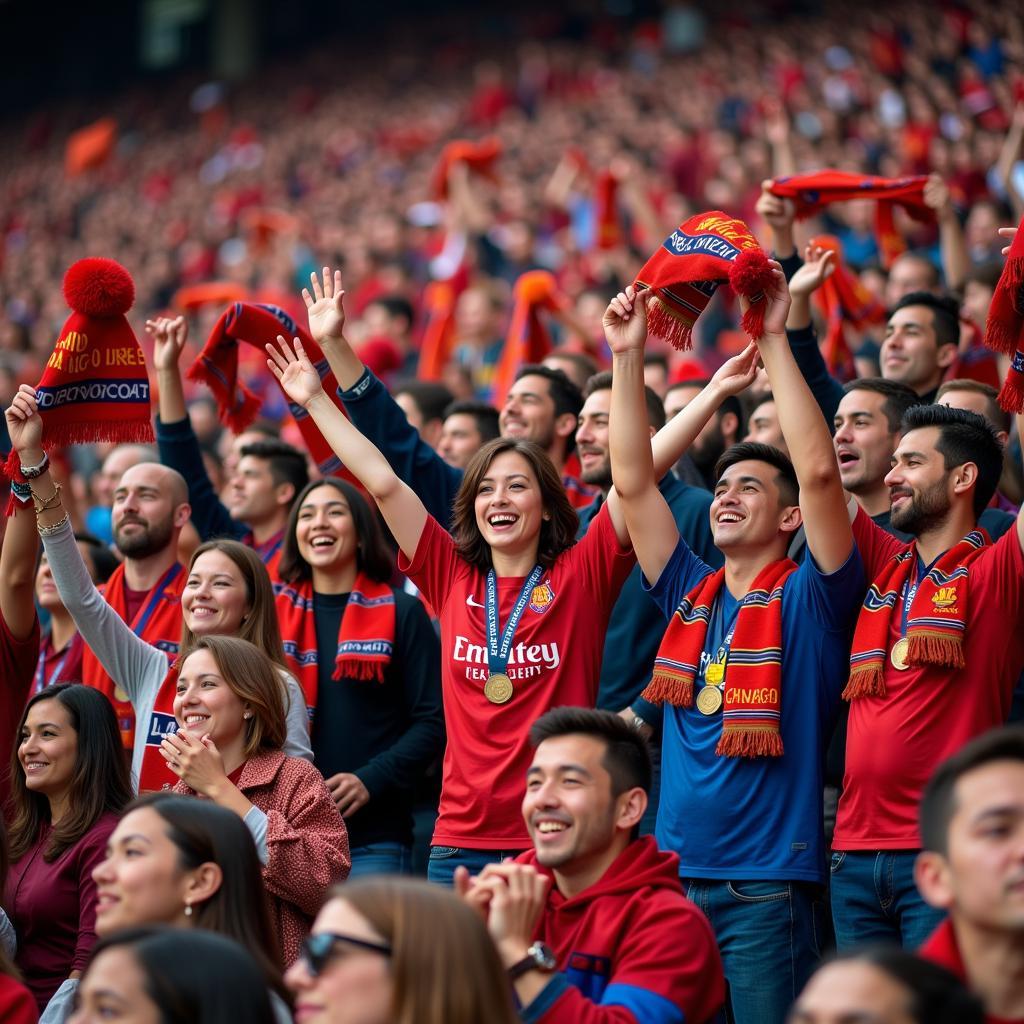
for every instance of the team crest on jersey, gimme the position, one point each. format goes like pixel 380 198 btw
pixel 542 597
pixel 944 598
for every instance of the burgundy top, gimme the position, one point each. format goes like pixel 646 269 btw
pixel 53 908
pixel 17 664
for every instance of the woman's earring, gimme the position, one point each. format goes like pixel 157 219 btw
pixel 188 909
pixel 247 715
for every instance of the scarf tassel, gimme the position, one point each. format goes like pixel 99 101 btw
pixel 236 411
pixel 669 689
pixel 664 322
pixel 63 435
pixel 936 649
pixel 366 671
pixel 865 682
pixel 753 320
pixel 1011 395
pixel 750 741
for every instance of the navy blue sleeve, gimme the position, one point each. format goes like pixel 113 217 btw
pixel 381 419
pixel 179 449
pixel 682 572
pixel 790 265
pixel 827 391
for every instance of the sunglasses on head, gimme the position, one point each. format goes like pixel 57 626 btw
pixel 318 949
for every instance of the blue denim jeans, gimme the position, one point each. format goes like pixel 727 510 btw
pixel 874 899
pixel 445 859
pixel 381 859
pixel 769 935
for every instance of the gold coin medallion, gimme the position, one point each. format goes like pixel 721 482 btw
pixel 714 674
pixel 121 695
pixel 898 654
pixel 709 700
pixel 498 688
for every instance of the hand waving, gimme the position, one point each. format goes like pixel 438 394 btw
pixel 738 373
pixel 23 423
pixel 325 308
pixel 819 264
pixel 169 337
pixel 294 371
pixel 625 321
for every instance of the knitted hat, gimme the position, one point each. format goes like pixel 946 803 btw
pixel 95 386
pixel 692 262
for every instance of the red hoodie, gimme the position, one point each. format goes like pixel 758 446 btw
pixel 631 949
pixel 942 949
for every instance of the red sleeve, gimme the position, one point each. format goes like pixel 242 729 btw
pixel 670 970
pixel 92 852
pixel 17 667
pixel 875 546
pixel 434 565
pixel 601 561
pixel 16 1003
pixel 307 842
pixel 998 574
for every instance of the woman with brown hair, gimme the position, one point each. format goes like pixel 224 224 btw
pixel 229 708
pixel 69 783
pixel 523 609
pixel 227 591
pixel 398 951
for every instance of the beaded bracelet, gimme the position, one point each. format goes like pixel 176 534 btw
pixel 47 531
pixel 31 472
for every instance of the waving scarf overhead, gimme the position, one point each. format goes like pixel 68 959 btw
pixel 1004 330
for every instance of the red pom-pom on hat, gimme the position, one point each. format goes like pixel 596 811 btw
pixel 751 273
pixel 99 287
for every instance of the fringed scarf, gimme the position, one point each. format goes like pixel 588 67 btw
pixel 935 622
pixel 528 340
pixel 812 192
pixel 753 676
pixel 155 774
pixel 480 157
pixel 366 639
pixel 689 266
pixel 842 300
pixel 439 329
pixel 1004 329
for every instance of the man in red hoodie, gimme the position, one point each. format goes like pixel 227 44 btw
pixel 972 866
pixel 592 923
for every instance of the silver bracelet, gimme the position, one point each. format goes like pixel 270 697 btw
pixel 48 531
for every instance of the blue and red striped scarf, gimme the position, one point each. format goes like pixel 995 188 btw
pixel 753 677
pixel 366 638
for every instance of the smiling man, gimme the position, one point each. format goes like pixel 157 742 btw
pixel 592 923
pixel 937 651
pixel 752 663
pixel 972 867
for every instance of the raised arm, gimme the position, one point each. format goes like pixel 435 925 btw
pixel 822 500
pixel 403 511
pixel 18 572
pixel 952 245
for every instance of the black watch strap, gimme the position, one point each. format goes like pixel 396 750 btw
pixel 539 957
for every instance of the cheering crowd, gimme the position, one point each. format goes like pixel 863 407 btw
pixel 657 598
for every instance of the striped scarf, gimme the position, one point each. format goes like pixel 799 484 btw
pixel 753 678
pixel 366 638
pixel 935 623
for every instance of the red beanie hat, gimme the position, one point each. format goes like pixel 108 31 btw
pixel 95 386
pixel 692 262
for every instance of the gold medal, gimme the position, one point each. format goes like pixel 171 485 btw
pixel 709 700
pixel 120 695
pixel 898 654
pixel 714 674
pixel 498 688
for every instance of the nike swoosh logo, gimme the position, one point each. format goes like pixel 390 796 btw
pixel 473 603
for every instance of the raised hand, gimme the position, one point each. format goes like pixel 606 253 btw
pixel 625 321
pixel 938 197
pixel 777 213
pixel 777 297
pixel 325 308
pixel 195 760
pixel 169 337
pixel 738 373
pixel 819 264
pixel 296 374
pixel 24 425
pixel 1009 233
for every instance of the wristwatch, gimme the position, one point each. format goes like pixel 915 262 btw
pixel 539 957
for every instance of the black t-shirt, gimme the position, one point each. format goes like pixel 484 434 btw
pixel 385 733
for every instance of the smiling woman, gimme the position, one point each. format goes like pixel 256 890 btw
pixel 522 608
pixel 69 783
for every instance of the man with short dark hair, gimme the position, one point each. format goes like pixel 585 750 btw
pixel 468 424
pixel 424 403
pixel 936 653
pixel 972 867
pixel 763 424
pixel 592 923
pixel 267 479
pixel 752 663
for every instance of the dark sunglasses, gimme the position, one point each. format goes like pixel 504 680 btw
pixel 318 949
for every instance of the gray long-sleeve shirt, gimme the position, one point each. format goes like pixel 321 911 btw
pixel 136 666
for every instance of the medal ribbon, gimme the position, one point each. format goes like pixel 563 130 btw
pixel 39 682
pixel 497 654
pixel 156 595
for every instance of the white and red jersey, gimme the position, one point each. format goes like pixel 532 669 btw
pixel 555 661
